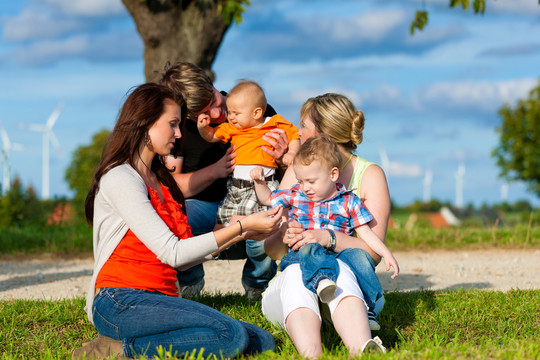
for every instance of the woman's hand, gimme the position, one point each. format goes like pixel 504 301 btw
pixel 267 221
pixel 278 141
pixel 251 234
pixel 296 237
pixel 224 166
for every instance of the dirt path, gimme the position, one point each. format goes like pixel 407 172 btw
pixel 494 269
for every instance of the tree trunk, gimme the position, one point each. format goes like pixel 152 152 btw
pixel 177 30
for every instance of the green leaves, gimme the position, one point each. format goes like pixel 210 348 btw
pixel 80 172
pixel 518 153
pixel 421 16
pixel 232 10
pixel 420 20
pixel 479 6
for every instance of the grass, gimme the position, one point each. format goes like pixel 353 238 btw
pixel 519 236
pixel 73 239
pixel 463 324
pixel 30 240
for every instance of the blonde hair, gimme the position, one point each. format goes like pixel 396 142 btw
pixel 320 148
pixel 335 116
pixel 254 91
pixel 192 83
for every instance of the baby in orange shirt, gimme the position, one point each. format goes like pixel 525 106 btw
pixel 246 104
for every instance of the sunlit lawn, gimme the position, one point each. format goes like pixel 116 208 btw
pixel 463 324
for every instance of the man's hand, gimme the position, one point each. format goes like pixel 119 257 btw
pixel 224 166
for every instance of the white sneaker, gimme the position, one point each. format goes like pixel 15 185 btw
pixel 374 345
pixel 326 289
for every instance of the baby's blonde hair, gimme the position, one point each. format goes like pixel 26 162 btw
pixel 254 91
pixel 320 148
pixel 335 116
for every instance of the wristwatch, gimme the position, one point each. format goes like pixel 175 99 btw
pixel 332 240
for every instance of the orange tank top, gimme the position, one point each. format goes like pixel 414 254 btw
pixel 133 265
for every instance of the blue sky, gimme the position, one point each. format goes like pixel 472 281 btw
pixel 430 100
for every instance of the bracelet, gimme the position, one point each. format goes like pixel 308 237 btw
pixel 241 229
pixel 332 240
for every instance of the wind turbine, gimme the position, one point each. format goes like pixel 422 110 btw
pixel 428 177
pixel 396 168
pixel 460 174
pixel 504 192
pixel 48 136
pixel 7 146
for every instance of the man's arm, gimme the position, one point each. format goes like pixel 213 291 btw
pixel 194 182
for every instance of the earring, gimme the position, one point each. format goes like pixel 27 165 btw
pixel 148 142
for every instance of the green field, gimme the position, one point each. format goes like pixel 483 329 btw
pixel 463 324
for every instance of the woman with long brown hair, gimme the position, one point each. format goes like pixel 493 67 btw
pixel 141 235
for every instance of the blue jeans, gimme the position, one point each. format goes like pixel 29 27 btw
pixel 258 270
pixel 316 263
pixel 144 320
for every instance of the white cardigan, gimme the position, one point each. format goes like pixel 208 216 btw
pixel 122 203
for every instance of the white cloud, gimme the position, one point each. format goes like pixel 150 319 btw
pixel 88 7
pixel 44 52
pixel 55 18
pixel 382 96
pixel 31 24
pixel 102 47
pixel 369 25
pixel 521 7
pixel 486 96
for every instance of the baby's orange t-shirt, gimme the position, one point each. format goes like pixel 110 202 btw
pixel 248 142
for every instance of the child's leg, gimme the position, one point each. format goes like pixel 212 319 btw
pixel 363 268
pixel 317 264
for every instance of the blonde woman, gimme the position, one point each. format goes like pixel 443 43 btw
pixel 287 302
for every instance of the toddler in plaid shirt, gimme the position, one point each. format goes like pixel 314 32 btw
pixel 319 202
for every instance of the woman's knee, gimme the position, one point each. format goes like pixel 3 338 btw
pixel 260 340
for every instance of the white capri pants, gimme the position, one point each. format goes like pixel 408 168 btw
pixel 286 293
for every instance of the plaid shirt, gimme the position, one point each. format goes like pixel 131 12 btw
pixel 343 212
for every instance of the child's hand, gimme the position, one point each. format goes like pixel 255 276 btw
pixel 288 158
pixel 257 174
pixel 203 122
pixel 390 261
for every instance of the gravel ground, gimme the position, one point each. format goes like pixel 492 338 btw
pixel 50 277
